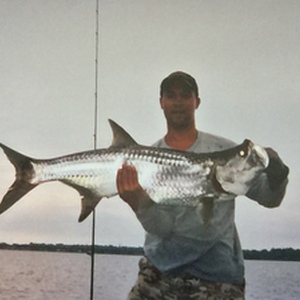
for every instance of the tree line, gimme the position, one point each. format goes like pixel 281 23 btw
pixel 282 254
pixel 99 249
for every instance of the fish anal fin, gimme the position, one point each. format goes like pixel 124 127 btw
pixel 88 204
pixel 121 138
pixel 89 200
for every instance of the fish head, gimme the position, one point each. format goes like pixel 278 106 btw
pixel 246 162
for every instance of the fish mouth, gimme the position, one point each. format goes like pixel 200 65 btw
pixel 262 155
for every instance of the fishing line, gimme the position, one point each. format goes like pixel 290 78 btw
pixel 95 147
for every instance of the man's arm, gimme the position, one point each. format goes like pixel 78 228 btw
pixel 153 219
pixel 270 189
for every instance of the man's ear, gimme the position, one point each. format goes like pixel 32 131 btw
pixel 198 102
pixel 161 103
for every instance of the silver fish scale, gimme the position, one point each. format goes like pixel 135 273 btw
pixel 176 185
pixel 171 177
pixel 86 164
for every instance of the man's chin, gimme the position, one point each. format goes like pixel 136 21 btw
pixel 179 123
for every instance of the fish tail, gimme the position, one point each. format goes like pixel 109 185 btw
pixel 24 174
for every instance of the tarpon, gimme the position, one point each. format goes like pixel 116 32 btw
pixel 169 176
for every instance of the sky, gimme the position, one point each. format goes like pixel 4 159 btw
pixel 243 54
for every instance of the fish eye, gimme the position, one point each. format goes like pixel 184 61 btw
pixel 242 153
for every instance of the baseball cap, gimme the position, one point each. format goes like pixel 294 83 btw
pixel 181 79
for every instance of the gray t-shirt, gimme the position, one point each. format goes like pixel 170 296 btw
pixel 177 240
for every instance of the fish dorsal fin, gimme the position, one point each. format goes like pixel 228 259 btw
pixel 121 138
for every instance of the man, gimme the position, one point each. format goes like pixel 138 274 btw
pixel 184 257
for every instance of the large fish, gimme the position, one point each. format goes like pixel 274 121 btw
pixel 168 176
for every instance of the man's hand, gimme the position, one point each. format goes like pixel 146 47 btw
pixel 276 171
pixel 129 188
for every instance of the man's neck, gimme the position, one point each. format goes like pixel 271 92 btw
pixel 181 139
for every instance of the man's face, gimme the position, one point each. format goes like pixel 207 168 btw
pixel 179 105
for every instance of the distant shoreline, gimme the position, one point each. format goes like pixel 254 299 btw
pixel 279 254
pixel 99 249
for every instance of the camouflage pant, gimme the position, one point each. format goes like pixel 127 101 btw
pixel 152 285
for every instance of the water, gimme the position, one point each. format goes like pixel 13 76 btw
pixel 27 275
pixel 272 280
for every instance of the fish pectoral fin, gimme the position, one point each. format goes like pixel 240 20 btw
pixel 207 209
pixel 89 200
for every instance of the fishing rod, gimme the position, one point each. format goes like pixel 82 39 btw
pixel 95 147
